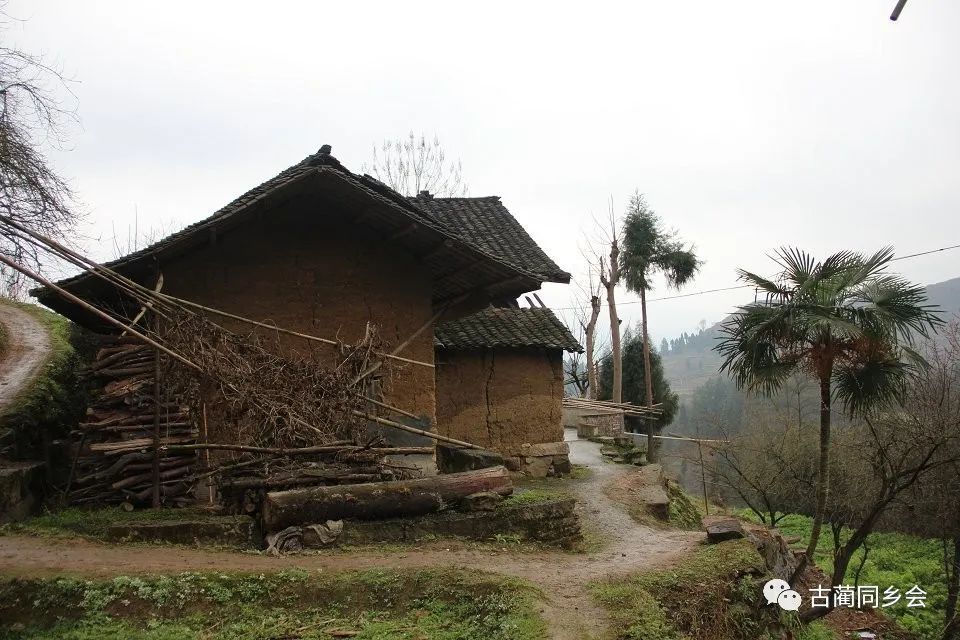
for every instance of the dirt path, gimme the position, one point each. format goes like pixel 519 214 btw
pixel 563 577
pixel 28 350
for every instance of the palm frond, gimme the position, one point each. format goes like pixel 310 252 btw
pixel 862 384
pixel 778 291
pixel 799 267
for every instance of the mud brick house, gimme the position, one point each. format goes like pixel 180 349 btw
pixel 500 384
pixel 323 251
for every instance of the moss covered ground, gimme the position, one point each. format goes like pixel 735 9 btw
pixel 93 523
pixel 715 594
pixel 440 604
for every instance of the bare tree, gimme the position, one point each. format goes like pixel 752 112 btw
pixel 610 278
pixel 587 328
pixel 137 238
pixel 31 192
pixel 414 164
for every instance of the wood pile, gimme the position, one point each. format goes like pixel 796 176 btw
pixel 115 461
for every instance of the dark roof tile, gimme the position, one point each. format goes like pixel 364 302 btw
pixel 488 224
pixel 506 327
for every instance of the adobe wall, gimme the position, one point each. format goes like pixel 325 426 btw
pixel 500 398
pixel 323 276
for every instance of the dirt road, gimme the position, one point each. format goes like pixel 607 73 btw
pixel 28 350
pixel 563 577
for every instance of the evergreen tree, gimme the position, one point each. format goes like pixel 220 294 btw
pixel 634 382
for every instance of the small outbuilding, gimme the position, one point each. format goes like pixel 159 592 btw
pixel 500 385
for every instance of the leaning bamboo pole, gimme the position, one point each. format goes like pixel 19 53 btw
pixel 112 276
pixel 101 314
pixel 144 294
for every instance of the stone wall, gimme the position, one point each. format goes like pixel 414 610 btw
pixel 500 399
pixel 590 424
pixel 320 275
pixel 22 486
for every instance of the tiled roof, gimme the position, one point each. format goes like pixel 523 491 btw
pixel 488 224
pixel 506 327
pixel 467 244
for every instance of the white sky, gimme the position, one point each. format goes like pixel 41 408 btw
pixel 748 124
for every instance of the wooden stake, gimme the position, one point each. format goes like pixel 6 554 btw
pixel 156 430
pixel 206 439
pixel 703 480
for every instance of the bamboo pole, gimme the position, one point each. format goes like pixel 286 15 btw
pixel 419 432
pixel 703 481
pixel 89 307
pixel 290 332
pixel 113 276
pixel 242 448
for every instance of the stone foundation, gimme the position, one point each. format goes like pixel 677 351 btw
pixel 594 425
pixel 22 487
pixel 238 531
pixel 549 459
pixel 552 522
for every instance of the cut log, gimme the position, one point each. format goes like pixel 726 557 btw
pixel 378 500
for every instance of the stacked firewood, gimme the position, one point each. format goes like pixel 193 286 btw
pixel 115 457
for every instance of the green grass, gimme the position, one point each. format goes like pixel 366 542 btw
pixel 535 495
pixel 580 472
pixel 55 401
pixel 686 512
pixel 715 593
pixel 894 559
pixel 441 604
pixel 93 523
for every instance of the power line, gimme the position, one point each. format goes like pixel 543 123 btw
pixel 925 253
pixel 745 286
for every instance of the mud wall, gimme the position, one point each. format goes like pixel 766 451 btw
pixel 319 274
pixel 500 398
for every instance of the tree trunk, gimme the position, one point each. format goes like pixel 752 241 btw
pixel 591 329
pixel 617 353
pixel 823 475
pixel 377 500
pixel 952 629
pixel 652 453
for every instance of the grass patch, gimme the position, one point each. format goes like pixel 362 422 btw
pixel 55 401
pixel 93 523
pixel 580 472
pixel 441 604
pixel 534 495
pixel 686 512
pixel 716 593
pixel 894 559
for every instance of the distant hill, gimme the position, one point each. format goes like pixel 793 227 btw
pixel 690 360
pixel 947 295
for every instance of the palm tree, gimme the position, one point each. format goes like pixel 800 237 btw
pixel 845 321
pixel 649 249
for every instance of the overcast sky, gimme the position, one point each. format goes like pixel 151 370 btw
pixel 748 125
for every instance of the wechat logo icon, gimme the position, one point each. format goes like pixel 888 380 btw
pixel 778 592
